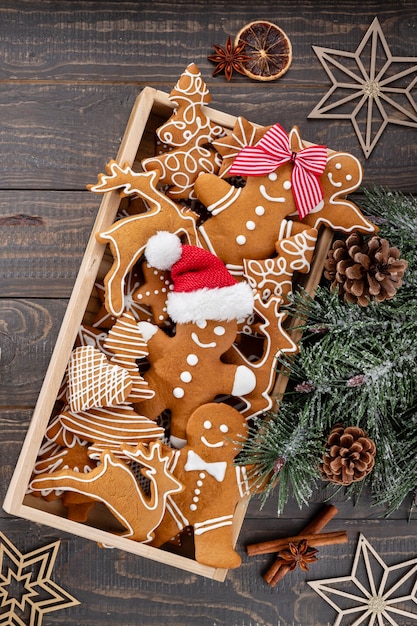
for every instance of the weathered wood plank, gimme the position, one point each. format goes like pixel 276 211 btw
pixel 44 235
pixel 140 592
pixel 142 41
pixel 28 332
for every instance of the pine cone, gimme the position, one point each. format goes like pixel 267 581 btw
pixel 362 270
pixel 349 457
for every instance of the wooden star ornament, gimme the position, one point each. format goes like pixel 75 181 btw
pixel 370 87
pixel 375 593
pixel 26 589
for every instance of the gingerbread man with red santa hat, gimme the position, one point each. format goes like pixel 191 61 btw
pixel 206 303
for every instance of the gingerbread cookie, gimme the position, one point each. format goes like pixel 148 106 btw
pixel 115 484
pixel 245 221
pixel 205 304
pixel 111 428
pixel 127 345
pixel 127 237
pixel 94 382
pixel 274 276
pixel 213 485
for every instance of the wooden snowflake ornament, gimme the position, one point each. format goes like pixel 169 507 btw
pixel 370 87
pixel 30 575
pixel 374 593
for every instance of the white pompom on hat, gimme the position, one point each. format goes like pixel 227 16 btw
pixel 203 288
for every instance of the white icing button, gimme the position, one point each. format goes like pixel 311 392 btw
pixel 273 176
pixel 338 166
pixel 155 272
pixel 147 293
pixel 185 377
pixel 193 507
pixel 192 359
pixel 178 392
pixel 195 499
pixel 202 475
pixel 260 210
pixel 139 296
pixel 197 492
pixel 240 240
pixel 250 225
pixel 287 184
pixel 199 483
pixel 155 291
pixel 219 330
pixel 161 317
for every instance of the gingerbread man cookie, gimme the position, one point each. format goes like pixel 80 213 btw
pixel 213 485
pixel 245 221
pixel 205 303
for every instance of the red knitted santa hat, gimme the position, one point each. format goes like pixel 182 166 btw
pixel 203 288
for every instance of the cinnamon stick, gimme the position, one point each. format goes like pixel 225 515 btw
pixel 313 540
pixel 280 568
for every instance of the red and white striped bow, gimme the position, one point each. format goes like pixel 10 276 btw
pixel 272 151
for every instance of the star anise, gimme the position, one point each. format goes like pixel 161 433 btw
pixel 228 58
pixel 299 554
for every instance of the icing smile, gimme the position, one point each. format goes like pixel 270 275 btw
pixel 265 194
pixel 219 444
pixel 211 344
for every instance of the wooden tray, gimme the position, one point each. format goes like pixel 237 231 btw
pixel 151 109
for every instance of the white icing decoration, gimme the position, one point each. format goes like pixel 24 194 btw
pixel 211 344
pixel 241 240
pixel 244 382
pixel 260 210
pixel 186 377
pixel 265 194
pixel 207 424
pixel 178 392
pixel 218 444
pixel 287 185
pixel 193 507
pixel 219 330
pixel 195 462
pixel 250 225
pixel 192 359
pixel 338 166
pixel 273 176
pixel 224 428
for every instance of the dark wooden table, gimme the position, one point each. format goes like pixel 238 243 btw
pixel 70 72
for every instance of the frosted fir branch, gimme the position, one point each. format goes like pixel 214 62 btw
pixel 283 451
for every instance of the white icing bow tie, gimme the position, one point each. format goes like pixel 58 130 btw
pixel 195 462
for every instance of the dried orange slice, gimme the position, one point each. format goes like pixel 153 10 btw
pixel 268 48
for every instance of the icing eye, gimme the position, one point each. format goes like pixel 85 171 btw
pixel 349 177
pixel 201 324
pixel 273 176
pixel 207 424
pixel 224 428
pixel 287 184
pixel 338 166
pixel 219 330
